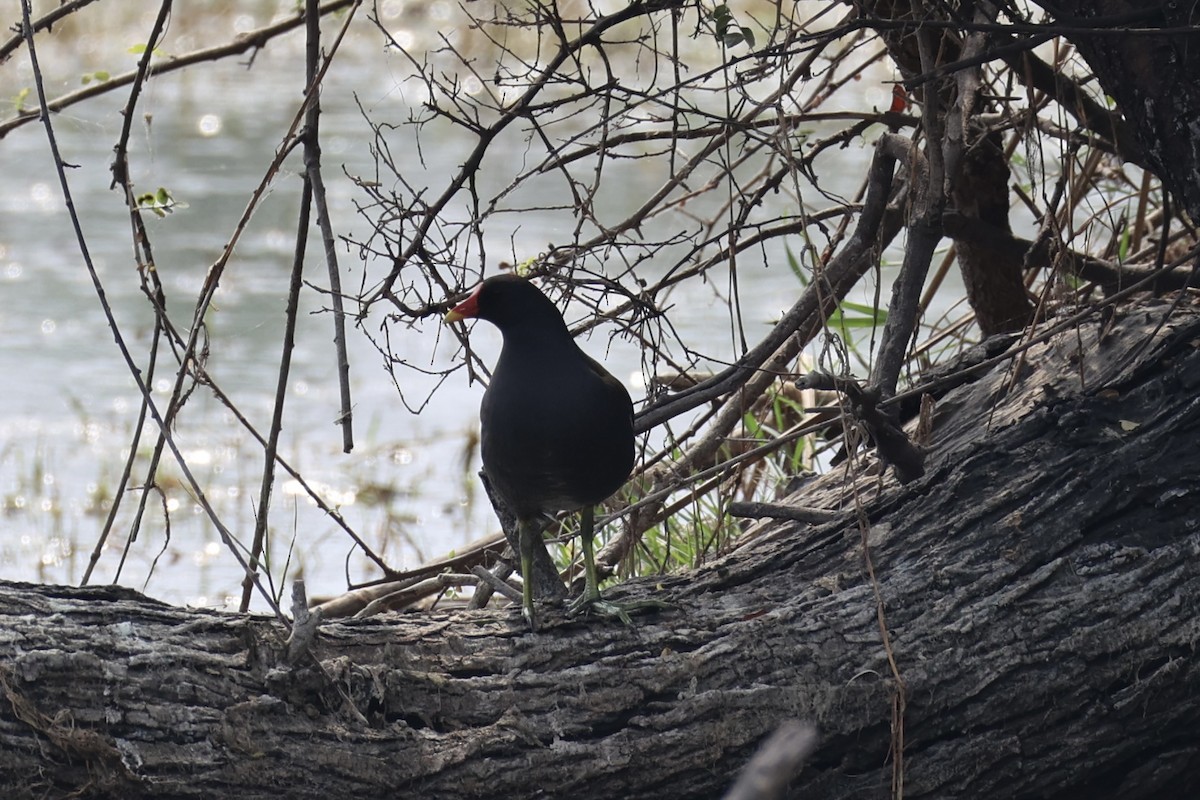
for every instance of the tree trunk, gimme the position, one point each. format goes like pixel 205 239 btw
pixel 1152 78
pixel 1039 587
pixel 992 276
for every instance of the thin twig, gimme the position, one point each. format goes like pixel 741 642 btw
pixel 120 169
pixel 108 313
pixel 312 172
pixel 775 763
pixel 250 40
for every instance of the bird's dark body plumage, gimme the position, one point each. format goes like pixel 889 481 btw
pixel 554 440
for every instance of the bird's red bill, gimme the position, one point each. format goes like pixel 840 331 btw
pixel 467 308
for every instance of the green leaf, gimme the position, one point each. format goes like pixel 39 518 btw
pixel 837 319
pixel 99 76
pixel 727 33
pixel 876 314
pixel 160 203
pixel 721 17
pixel 795 266
pixel 753 427
pixel 138 49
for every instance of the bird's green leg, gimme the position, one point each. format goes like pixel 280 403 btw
pixel 527 533
pixel 590 599
pixel 587 535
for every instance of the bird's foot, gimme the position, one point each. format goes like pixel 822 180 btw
pixel 599 606
pixel 530 616
pixel 593 603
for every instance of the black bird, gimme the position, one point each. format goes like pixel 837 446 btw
pixel 556 427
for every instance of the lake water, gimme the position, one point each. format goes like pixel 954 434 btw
pixel 69 404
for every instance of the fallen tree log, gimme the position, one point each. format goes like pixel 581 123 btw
pixel 1039 587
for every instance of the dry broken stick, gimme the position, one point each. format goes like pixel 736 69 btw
pixel 403 598
pixel 305 622
pixel 816 516
pixel 776 762
pixel 491 581
pixel 892 444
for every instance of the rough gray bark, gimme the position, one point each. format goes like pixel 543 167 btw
pixel 1152 77
pixel 1039 585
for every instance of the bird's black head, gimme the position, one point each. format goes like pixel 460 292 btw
pixel 508 302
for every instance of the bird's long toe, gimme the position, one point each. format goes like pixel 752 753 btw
pixel 593 603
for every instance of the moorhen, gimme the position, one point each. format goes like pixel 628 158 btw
pixel 556 428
